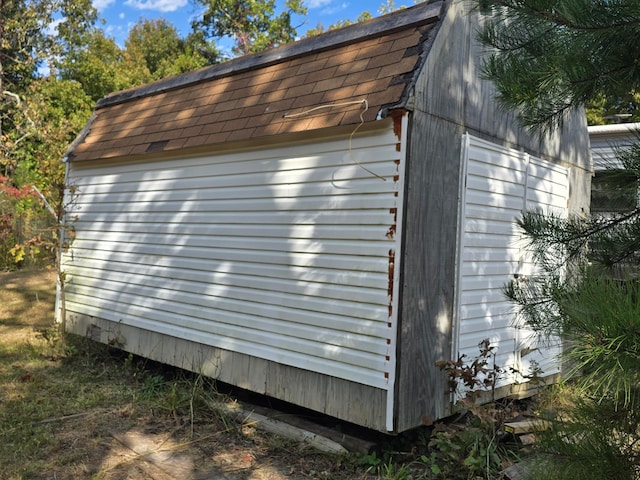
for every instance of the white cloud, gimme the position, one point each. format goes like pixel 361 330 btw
pixel 159 5
pixel 102 4
pixel 113 30
pixel 121 15
pixel 332 10
pixel 317 3
pixel 52 28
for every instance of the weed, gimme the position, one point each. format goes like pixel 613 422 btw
pixel 153 387
pixel 393 471
pixel 128 362
pixel 471 450
pixel 385 467
pixel 470 379
pixel 370 460
pixel 52 336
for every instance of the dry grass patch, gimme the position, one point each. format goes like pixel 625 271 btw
pixel 27 300
pixel 87 411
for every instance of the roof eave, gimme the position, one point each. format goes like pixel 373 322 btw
pixel 617 128
pixel 407 100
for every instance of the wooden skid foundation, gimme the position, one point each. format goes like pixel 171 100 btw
pixel 349 401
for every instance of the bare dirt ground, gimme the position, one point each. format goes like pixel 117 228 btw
pixel 78 414
pixel 116 447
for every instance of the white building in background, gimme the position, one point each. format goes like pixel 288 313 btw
pixel 608 196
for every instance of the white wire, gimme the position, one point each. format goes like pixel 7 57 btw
pixel 343 104
pixel 328 105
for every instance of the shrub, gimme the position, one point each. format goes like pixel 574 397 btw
pixel 28 232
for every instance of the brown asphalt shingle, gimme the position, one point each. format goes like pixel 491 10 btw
pixel 260 96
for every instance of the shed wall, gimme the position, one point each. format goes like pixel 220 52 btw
pixel 284 254
pixel 500 184
pixel 450 100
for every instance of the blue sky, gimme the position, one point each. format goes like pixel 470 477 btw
pixel 120 15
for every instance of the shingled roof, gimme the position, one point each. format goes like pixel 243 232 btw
pixel 354 74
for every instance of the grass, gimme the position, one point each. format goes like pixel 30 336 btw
pixel 42 383
pixel 88 411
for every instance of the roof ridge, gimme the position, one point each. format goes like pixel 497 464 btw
pixel 419 14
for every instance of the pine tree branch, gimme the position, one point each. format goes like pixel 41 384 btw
pixel 611 222
pixel 602 73
pixel 563 22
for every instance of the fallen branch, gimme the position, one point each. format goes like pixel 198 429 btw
pixel 69 417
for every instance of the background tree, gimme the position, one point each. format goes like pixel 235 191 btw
pixel 157 45
pixel 156 41
pixel 102 67
pixel 153 50
pixel 59 109
pixel 320 28
pixel 28 42
pixel 252 24
pixel 557 56
pixel 388 6
pixel 607 109
pixel 34 34
pixel 549 59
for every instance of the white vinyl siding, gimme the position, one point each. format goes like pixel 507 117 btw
pixel 281 253
pixel 500 184
pixel 607 140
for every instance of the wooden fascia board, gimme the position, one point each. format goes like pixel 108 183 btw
pixel 406 101
pixel 86 130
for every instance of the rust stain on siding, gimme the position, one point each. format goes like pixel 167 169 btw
pixel 391 232
pixel 391 270
pixel 397 116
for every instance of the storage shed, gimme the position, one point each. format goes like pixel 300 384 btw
pixel 319 223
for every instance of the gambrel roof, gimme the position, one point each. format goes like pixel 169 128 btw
pixel 343 77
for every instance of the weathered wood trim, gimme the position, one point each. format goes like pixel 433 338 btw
pixel 338 398
pixel 485 118
pixel 429 274
pixel 431 202
pixel 407 100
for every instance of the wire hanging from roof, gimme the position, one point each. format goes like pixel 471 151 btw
pixel 343 104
